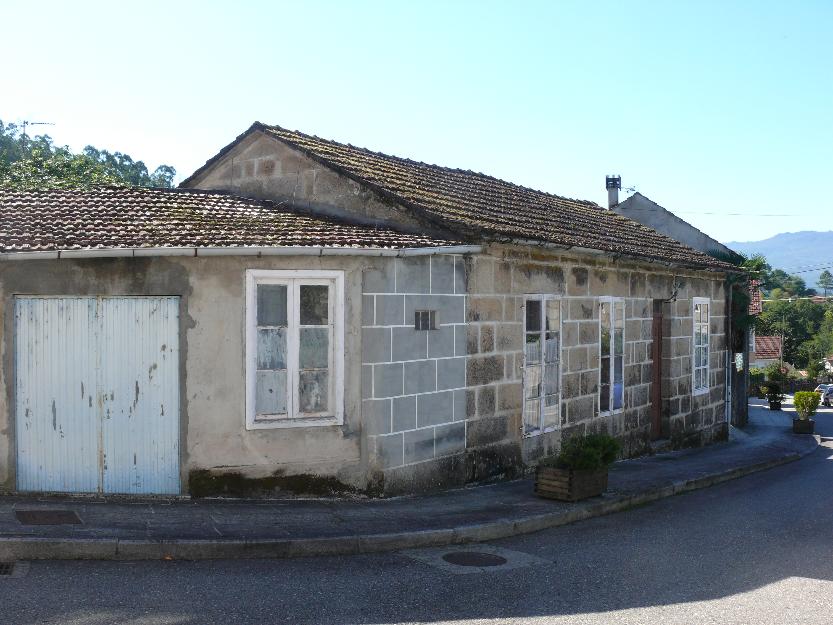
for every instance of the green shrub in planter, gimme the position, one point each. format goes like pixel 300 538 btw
pixel 579 471
pixel 806 403
pixel 774 396
pixel 585 453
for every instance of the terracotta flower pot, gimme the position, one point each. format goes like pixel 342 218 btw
pixel 569 485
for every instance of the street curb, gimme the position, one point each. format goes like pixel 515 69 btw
pixel 37 548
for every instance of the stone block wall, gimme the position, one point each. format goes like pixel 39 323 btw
pixel 444 407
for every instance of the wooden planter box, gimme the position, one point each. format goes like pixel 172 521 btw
pixel 803 426
pixel 568 485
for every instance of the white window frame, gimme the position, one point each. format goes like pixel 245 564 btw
pixel 294 278
pixel 543 299
pixel 612 301
pixel 703 389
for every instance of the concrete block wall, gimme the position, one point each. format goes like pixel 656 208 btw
pixel 414 381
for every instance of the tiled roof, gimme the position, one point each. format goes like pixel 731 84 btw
pixel 767 347
pixel 481 206
pixel 130 217
pixel 756 305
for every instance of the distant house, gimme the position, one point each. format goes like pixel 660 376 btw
pixel 646 211
pixel 310 314
pixel 767 350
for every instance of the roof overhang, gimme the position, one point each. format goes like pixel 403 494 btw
pixel 144 252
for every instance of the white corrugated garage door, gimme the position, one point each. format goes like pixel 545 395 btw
pixel 97 394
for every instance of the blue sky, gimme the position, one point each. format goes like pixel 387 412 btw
pixel 709 108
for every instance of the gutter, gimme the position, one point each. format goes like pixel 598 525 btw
pixel 201 252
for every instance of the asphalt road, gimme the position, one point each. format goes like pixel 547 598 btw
pixel 755 550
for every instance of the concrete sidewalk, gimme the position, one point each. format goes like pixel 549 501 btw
pixel 203 529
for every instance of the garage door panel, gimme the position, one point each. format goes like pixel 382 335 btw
pixel 57 425
pixel 97 408
pixel 140 437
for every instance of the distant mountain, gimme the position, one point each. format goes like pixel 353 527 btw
pixel 793 251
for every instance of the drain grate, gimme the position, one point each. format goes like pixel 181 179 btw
pixel 47 517
pixel 474 558
pixel 6 568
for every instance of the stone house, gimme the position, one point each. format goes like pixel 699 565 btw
pixel 312 316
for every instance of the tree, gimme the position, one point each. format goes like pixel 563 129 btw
pixel 36 163
pixel 825 281
pixel 797 321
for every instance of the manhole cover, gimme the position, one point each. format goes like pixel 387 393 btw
pixel 6 568
pixel 47 517
pixel 473 558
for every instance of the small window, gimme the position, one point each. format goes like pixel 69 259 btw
pixel 425 319
pixel 294 348
pixel 612 355
pixel 542 364
pixel 700 351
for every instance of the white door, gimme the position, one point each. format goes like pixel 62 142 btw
pixel 97 394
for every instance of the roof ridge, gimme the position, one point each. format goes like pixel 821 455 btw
pixel 405 159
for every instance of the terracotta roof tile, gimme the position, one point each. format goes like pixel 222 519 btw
pixel 477 205
pixel 767 347
pixel 131 217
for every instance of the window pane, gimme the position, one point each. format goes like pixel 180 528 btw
pixel 618 342
pixel 314 309
pixel 533 348
pixel 270 394
pixel 618 383
pixel 532 382
pixel 271 304
pixel 553 315
pixel 313 348
pixel 550 380
pixel 313 391
pixel 533 315
pixel 532 415
pixel 704 312
pixel 271 348
pixel 605 370
pixel 619 315
pixel 551 347
pixel 604 315
pixel 551 411
pixel 697 315
pixel 604 397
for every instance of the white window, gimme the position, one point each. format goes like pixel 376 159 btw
pixel 612 354
pixel 294 348
pixel 700 352
pixel 542 364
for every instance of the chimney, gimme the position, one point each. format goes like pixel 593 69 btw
pixel 613 184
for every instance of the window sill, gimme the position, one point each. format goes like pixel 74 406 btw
pixel 275 424
pixel 700 391
pixel 607 413
pixel 539 432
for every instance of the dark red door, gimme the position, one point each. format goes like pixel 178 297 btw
pixel 656 386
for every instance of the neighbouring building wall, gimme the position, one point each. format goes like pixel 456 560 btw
pixel 431 427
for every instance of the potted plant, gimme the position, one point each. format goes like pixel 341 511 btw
pixel 579 471
pixel 805 403
pixel 774 396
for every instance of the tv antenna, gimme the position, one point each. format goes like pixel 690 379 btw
pixel 23 125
